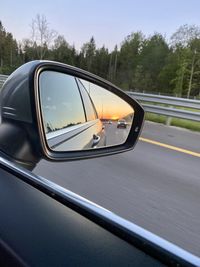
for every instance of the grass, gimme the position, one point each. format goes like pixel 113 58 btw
pixel 191 125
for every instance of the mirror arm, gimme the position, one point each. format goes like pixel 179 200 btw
pixel 16 145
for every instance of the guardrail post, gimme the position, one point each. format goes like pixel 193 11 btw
pixel 168 121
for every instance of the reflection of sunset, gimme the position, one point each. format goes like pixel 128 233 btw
pixel 108 105
pixel 112 111
pixel 114 118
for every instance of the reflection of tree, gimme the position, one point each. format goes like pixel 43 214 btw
pixel 50 129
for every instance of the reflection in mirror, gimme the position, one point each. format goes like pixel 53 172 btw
pixel 79 115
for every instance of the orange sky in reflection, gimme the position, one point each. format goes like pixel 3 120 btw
pixel 108 105
pixel 113 111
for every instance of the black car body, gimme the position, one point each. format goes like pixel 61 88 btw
pixel 43 224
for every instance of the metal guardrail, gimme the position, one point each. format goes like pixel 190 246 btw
pixel 170 106
pixel 2 79
pixel 156 102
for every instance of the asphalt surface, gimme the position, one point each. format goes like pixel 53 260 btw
pixel 114 135
pixel 152 186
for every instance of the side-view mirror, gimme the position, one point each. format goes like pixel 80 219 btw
pixel 65 113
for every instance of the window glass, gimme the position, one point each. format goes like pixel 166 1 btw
pixel 60 101
pixel 89 107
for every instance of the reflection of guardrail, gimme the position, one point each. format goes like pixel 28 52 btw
pixel 169 106
pixel 2 79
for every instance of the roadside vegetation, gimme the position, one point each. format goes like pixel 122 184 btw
pixel 187 124
pixel 149 64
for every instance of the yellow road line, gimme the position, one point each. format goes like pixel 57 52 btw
pixel 195 154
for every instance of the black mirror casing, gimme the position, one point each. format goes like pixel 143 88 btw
pixel 22 116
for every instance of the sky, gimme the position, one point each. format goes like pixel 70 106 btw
pixel 108 105
pixel 109 21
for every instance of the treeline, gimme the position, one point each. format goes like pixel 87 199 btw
pixel 145 64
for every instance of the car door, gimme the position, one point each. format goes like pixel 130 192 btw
pixel 71 121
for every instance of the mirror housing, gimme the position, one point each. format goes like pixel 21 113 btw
pixel 22 123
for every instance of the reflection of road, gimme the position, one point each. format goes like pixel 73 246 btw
pixel 114 135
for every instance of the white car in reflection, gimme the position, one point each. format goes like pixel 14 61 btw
pixel 84 130
pixel 82 136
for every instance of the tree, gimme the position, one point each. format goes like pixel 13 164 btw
pixel 186 41
pixel 62 51
pixel 9 57
pixel 168 74
pixel 2 40
pixel 41 35
pixel 113 65
pixel 153 56
pixel 128 59
pixel 88 54
pixel 101 62
pixel 184 35
pixel 194 50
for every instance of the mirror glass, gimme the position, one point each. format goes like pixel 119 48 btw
pixel 80 115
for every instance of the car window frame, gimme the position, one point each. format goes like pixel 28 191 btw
pixel 92 103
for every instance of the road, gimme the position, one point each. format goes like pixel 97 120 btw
pixel 153 186
pixel 114 135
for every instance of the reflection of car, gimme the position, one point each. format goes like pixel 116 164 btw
pixel 75 131
pixel 109 122
pixel 121 123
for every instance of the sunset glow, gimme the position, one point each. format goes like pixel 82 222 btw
pixel 114 118
pixel 108 105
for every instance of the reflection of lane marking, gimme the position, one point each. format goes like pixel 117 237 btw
pixel 195 154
